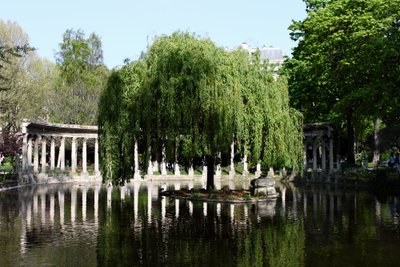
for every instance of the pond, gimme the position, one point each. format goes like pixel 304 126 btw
pixel 93 225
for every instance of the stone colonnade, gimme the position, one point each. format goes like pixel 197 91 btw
pixel 320 137
pixel 40 134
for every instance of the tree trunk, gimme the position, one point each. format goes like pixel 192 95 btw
pixel 350 141
pixel 377 153
pixel 210 172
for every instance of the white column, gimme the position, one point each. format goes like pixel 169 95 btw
pixel 136 174
pixel 245 166
pixel 84 157
pixel 331 160
pixel 232 169
pixel 36 155
pixel 314 148
pixel 109 191
pixel 73 155
pixel 323 155
pixel 150 167
pixel 43 160
pixel 24 149
pixel 29 162
pixel 191 170
pixel 163 168
pixel 52 154
pixel 62 154
pixel 305 155
pixel 96 157
pixel 218 171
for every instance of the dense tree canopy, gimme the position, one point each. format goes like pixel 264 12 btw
pixel 82 77
pixel 23 78
pixel 345 67
pixel 193 99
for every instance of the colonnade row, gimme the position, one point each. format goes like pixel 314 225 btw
pixel 323 153
pixel 320 137
pixel 38 136
pixel 32 154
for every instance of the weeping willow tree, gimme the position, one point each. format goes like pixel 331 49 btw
pixel 188 97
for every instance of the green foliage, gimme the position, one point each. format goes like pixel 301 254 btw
pixel 345 66
pixel 23 78
pixel 82 77
pixel 194 99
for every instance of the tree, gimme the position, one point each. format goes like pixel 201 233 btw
pixel 24 78
pixel 82 78
pixel 188 97
pixel 344 67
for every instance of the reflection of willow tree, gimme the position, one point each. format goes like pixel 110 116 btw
pixel 277 245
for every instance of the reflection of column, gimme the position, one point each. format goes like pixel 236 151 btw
pixel 176 208
pixel 35 206
pixel 163 208
pixel 96 157
pixel 73 204
pixel 73 155
pixel 36 155
pixel 84 198
pixel 246 211
pixel 62 154
pixel 61 204
pixel 84 157
pixel 205 209
pixel 378 214
pixel 219 210
pixel 52 204
pixel 96 205
pixel 43 207
pixel 314 149
pixel 52 154
pixel 315 205
pixel 323 154
pixel 122 192
pixel 136 187
pixel 305 204
pixel 283 197
pixel 149 201
pixel 190 203
pixel 232 211
pixel 29 213
pixel 331 207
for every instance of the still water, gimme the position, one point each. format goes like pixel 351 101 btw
pixel 92 225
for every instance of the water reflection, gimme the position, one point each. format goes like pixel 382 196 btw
pixel 135 225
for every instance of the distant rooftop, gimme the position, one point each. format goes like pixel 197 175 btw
pixel 272 54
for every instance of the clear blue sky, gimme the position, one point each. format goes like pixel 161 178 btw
pixel 127 26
